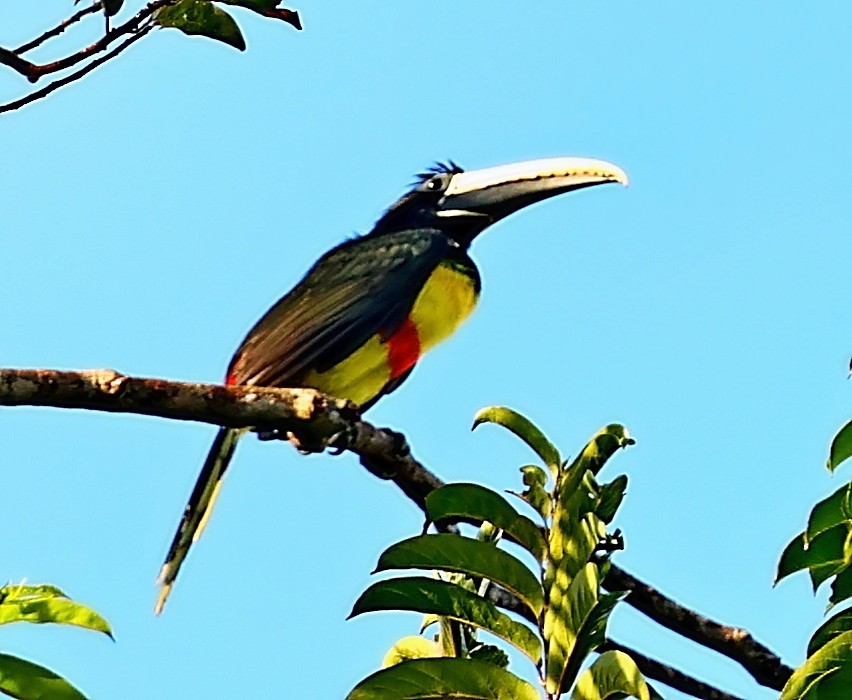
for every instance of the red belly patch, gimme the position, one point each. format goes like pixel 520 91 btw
pixel 403 349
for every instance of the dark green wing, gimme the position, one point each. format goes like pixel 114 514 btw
pixel 360 288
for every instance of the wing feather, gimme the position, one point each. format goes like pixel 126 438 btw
pixel 354 291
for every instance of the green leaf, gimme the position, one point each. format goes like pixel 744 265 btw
pixel 203 18
pixel 834 510
pixel 613 675
pixel 611 496
pixel 408 648
pixel 111 7
pixel 23 679
pixel 43 604
pixel 445 552
pixel 831 628
pixel 823 556
pixel 826 675
pixel 536 495
pixel 590 636
pixel 460 679
pixel 841 588
pixel 524 429
pixel 841 447
pixel 433 596
pixel 490 654
pixel 479 503
pixel 603 445
pixel 571 602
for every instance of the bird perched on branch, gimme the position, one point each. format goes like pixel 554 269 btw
pixel 362 317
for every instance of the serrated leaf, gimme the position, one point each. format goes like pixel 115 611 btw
pixel 841 447
pixel 433 596
pixel 490 654
pixel 610 497
pixel 460 679
pixel 831 511
pixel 477 502
pixel 826 675
pixel 202 18
pixel 525 429
pixel 446 552
pixel 571 602
pixel 831 628
pixel 822 557
pixel 47 604
pixel 23 679
pixel 408 648
pixel 613 674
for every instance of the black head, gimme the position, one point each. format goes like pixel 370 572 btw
pixel 464 203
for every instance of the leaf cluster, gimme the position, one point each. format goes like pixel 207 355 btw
pixel 563 609
pixel 824 550
pixel 24 679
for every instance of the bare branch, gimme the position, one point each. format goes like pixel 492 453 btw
pixel 315 417
pixel 734 642
pixel 88 68
pixel 673 678
pixel 59 28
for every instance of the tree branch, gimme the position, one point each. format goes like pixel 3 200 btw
pixel 673 678
pixel 59 28
pixel 88 68
pixel 734 642
pixel 313 419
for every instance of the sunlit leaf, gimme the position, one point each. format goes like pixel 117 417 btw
pixel 47 604
pixel 201 17
pixel 460 679
pixel 433 596
pixel 445 552
pixel 23 679
pixel 831 628
pixel 613 675
pixel 524 428
pixel 408 648
pixel 480 503
pixel 571 602
pixel 590 636
pixel 535 479
pixel 834 510
pixel 841 447
pixel 826 675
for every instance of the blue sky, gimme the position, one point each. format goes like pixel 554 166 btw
pixel 152 212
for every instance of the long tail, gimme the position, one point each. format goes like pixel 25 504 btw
pixel 198 509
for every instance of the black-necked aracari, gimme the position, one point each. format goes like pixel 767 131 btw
pixel 367 311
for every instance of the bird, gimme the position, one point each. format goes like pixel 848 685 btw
pixel 361 318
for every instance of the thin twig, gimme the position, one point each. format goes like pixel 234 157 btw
pixel 59 28
pixel 70 78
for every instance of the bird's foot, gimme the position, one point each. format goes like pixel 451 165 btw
pixel 336 444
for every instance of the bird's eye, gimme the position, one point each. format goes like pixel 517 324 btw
pixel 435 183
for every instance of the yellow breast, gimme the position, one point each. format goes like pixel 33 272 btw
pixel 447 299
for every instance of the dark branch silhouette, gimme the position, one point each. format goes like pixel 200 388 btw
pixel 309 419
pixel 122 35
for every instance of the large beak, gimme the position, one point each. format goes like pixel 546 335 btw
pixel 497 192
